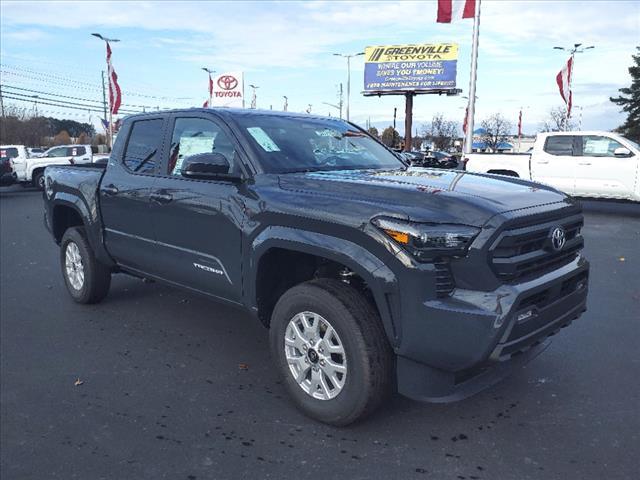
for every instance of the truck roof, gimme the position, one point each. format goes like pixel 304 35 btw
pixel 232 112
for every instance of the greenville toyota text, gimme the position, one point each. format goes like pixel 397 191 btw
pixel 368 273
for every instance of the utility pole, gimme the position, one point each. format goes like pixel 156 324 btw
pixel 348 57
pixel 395 111
pixel 408 120
pixel 286 103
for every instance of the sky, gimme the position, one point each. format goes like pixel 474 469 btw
pixel 286 49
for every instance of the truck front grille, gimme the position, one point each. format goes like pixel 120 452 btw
pixel 525 251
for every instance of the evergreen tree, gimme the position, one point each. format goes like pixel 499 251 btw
pixel 630 102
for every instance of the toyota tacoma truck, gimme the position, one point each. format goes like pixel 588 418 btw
pixel 370 275
pixel 584 164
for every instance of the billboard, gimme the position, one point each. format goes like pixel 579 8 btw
pixel 408 68
pixel 228 90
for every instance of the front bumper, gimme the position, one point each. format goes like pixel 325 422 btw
pixel 454 347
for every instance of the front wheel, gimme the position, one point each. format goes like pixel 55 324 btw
pixel 87 280
pixel 330 347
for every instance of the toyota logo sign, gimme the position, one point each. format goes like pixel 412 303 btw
pixel 558 238
pixel 227 82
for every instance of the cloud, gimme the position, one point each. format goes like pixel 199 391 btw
pixel 27 35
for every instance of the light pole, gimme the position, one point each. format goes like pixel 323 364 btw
pixel 337 107
pixel 348 57
pixel 286 103
pixel 254 98
pixel 210 72
pixel 577 48
pixel 107 41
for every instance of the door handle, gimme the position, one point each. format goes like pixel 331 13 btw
pixel 110 190
pixel 161 198
pixel 584 163
pixel 542 162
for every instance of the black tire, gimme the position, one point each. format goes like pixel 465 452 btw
pixel 369 357
pixel 97 277
pixel 38 180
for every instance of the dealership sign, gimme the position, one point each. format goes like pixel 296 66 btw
pixel 228 90
pixel 407 68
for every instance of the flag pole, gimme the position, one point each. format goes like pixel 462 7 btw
pixel 468 142
pixel 110 106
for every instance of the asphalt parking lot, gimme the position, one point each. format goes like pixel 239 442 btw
pixel 175 386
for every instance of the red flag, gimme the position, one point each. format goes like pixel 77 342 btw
pixel 115 94
pixel 205 104
pixel 466 120
pixel 563 79
pixel 210 86
pixel 452 10
pixel 520 124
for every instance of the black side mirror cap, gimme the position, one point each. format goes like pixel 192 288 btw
pixel 207 166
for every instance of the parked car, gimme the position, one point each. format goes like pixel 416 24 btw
pixel 35 152
pixel 366 272
pixel 30 171
pixel 586 164
pixel 7 175
pixel 435 159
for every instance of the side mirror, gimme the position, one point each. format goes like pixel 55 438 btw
pixel 622 152
pixel 206 166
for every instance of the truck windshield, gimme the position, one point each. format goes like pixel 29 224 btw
pixel 294 144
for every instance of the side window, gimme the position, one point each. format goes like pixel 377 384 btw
pixel 143 147
pixel 58 152
pixel 75 151
pixel 598 146
pixel 559 145
pixel 197 135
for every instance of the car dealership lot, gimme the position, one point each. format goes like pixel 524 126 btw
pixel 176 386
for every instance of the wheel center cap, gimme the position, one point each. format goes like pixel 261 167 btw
pixel 312 355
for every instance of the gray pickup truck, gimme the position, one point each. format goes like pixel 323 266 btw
pixel 369 274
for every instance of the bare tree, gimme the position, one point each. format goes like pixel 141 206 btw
pixel 62 138
pixel 442 132
pixel 496 130
pixel 557 121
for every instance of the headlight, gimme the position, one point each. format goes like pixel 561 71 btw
pixel 428 240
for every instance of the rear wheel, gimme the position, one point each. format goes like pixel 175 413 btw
pixel 332 351
pixel 87 280
pixel 38 180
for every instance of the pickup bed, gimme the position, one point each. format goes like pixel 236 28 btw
pixel 367 273
pixel 584 164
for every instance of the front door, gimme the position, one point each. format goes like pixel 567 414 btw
pixel 198 222
pixel 124 195
pixel 599 173
pixel 554 164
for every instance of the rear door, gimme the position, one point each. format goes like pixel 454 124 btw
pixel 555 162
pixel 198 222
pixel 124 194
pixel 599 173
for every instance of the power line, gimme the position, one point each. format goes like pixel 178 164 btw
pixel 40 101
pixel 36 99
pixel 10 87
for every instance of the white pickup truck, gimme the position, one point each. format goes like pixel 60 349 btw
pixel 29 169
pixel 584 164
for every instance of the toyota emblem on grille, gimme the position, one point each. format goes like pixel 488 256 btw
pixel 558 238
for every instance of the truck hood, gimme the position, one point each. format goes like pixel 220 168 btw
pixel 425 194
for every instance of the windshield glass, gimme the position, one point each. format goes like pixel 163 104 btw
pixel 635 144
pixel 294 144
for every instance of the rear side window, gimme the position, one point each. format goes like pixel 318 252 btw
pixel 75 151
pixel 559 145
pixel 143 147
pixel 58 152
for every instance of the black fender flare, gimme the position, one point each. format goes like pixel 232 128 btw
pixel 91 223
pixel 380 279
